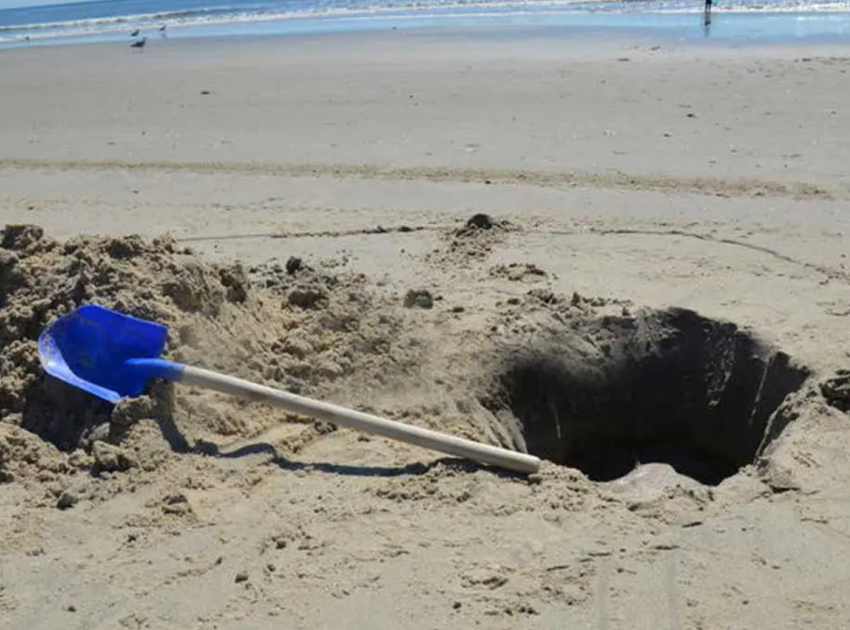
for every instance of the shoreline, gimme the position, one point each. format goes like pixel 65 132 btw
pixel 727 28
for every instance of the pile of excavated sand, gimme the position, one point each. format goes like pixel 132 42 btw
pixel 290 326
pixel 294 328
pixel 472 241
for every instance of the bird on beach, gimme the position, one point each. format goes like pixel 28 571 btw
pixel 140 44
pixel 162 28
pixel 135 33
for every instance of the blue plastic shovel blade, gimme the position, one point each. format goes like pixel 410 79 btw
pixel 92 348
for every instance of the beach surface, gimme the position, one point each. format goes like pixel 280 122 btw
pixel 620 174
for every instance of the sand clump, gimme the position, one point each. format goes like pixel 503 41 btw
pixel 292 327
pixel 836 390
pixel 518 272
pixel 419 298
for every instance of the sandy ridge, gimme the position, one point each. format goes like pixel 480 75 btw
pixel 744 187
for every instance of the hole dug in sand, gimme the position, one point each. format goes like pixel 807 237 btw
pixel 665 386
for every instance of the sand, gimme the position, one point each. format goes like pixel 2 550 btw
pixel 667 254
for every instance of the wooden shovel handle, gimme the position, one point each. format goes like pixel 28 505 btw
pixel 368 423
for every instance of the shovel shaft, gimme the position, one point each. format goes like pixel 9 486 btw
pixel 368 423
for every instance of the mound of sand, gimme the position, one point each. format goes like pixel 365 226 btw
pixel 289 326
pixel 472 241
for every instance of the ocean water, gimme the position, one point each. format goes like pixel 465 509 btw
pixel 738 20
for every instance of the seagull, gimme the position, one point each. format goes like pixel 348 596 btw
pixel 140 44
pixel 162 28
pixel 134 33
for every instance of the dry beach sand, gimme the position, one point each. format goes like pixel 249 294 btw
pixel 663 277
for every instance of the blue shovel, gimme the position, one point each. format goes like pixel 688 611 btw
pixel 113 356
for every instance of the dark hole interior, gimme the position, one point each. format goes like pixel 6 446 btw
pixel 674 387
